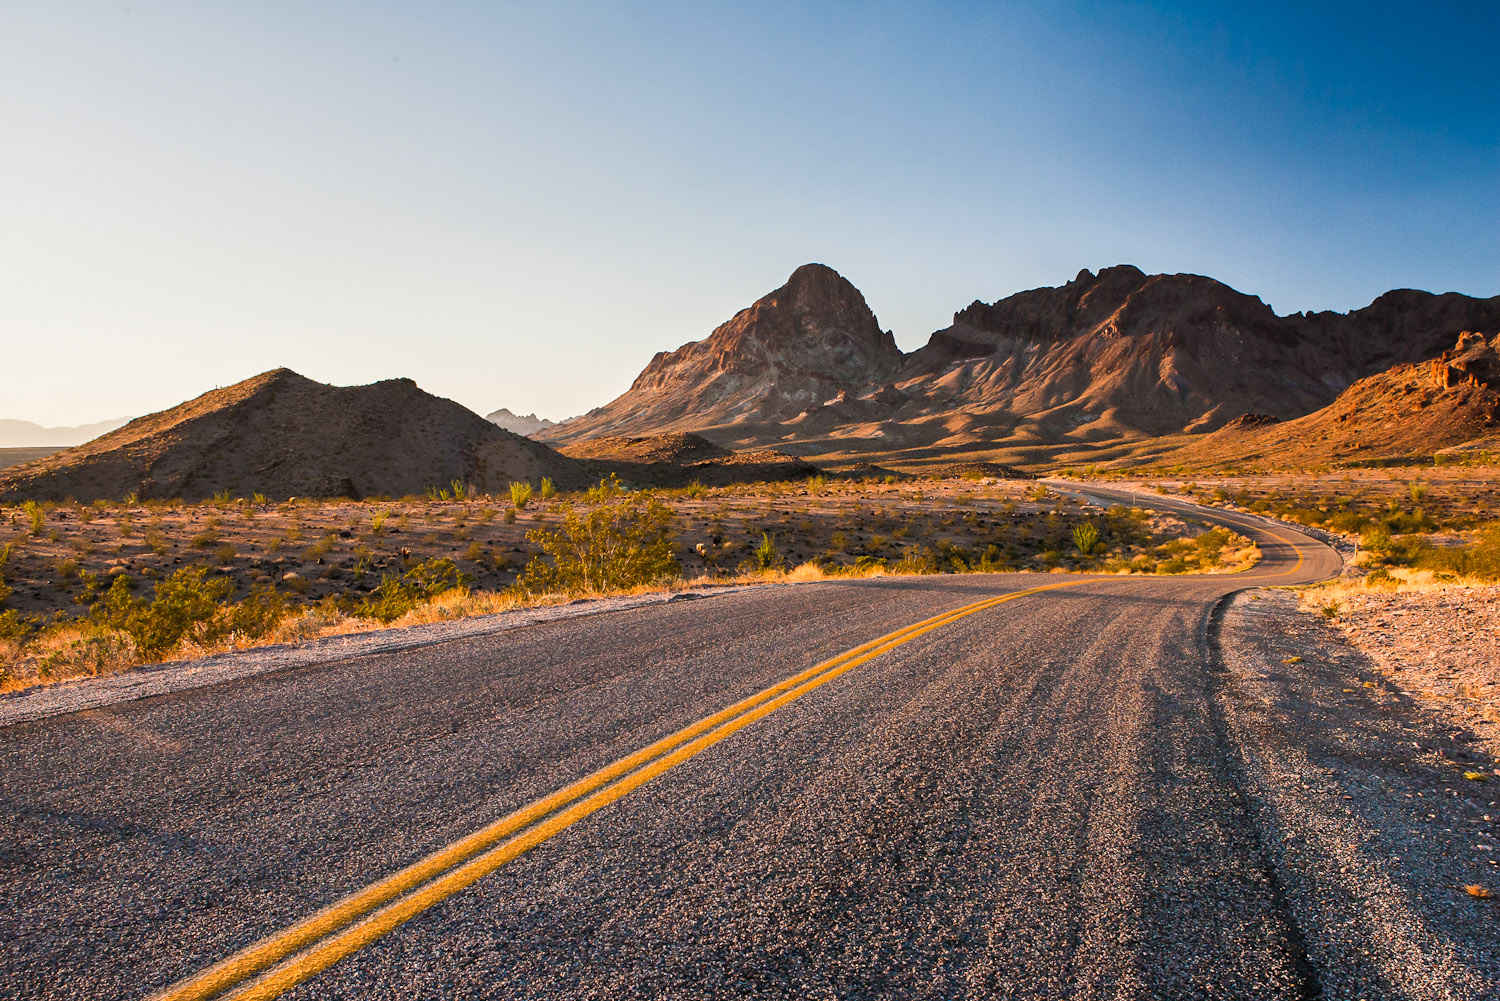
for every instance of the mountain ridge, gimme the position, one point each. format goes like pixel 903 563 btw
pixel 1117 356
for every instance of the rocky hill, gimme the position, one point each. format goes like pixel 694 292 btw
pixel 523 424
pixel 1409 410
pixel 284 435
pixel 802 344
pixel 1091 366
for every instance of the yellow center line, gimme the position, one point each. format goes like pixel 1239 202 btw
pixel 370 913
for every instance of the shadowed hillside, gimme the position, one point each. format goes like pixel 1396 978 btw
pixel 284 435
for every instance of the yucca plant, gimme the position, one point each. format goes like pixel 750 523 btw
pixel 520 494
pixel 35 515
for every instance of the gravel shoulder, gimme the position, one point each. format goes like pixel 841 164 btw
pixel 1439 643
pixel 1359 792
pixel 181 675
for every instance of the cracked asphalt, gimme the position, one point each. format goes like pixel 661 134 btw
pixel 1042 799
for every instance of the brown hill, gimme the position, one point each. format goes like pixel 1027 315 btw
pixel 676 459
pixel 1104 365
pixel 794 348
pixel 283 435
pixel 1411 410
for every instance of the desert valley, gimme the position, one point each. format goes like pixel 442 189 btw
pixel 785 502
pixel 795 435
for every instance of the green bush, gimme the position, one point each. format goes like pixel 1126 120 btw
pixel 398 595
pixel 520 494
pixel 1086 537
pixel 766 556
pixel 549 490
pixel 1479 559
pixel 186 607
pixel 12 626
pixel 916 560
pixel 35 515
pixel 612 541
pixel 260 612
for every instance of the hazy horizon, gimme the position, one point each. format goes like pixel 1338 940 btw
pixel 517 207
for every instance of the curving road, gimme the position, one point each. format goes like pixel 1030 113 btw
pixel 1028 797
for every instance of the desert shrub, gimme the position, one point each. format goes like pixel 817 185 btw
pixel 80 647
pixel 916 560
pixel 1376 539
pixel 13 627
pixel 377 523
pixel 548 490
pixel 1086 537
pixel 694 491
pixel 510 516
pixel 765 555
pixel 398 595
pixel 461 490
pixel 520 494
pixel 185 607
pixel 260 612
pixel 35 515
pixel 611 541
pixel 1211 545
pixel 1480 558
pixel 321 548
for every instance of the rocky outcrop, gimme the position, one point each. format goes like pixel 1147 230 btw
pixel 1409 410
pixel 795 348
pixel 283 435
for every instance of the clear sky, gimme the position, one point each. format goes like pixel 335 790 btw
pixel 518 204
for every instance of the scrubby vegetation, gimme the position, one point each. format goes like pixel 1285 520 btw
pixel 1445 524
pixel 612 540
pixel 101 587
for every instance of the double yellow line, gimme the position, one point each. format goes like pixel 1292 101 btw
pixel 276 964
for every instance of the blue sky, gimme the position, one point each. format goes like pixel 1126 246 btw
pixel 518 204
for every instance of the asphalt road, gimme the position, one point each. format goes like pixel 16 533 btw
pixel 1033 800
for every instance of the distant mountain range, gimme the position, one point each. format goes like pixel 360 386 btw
pixel 1108 358
pixel 519 424
pixel 24 434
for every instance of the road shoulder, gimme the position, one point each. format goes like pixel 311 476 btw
pixel 1360 796
pixel 43 701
